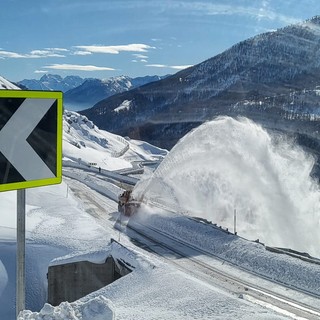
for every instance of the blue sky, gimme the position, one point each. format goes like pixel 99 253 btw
pixel 106 38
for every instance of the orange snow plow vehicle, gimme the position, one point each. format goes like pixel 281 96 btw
pixel 126 204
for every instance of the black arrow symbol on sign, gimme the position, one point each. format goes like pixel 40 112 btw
pixel 13 139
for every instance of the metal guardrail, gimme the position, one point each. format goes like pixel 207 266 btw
pixel 110 174
pixel 295 254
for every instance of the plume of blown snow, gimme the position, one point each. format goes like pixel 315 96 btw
pixel 233 166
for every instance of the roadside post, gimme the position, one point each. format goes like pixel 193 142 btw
pixel 30 156
pixel 235 221
pixel 21 251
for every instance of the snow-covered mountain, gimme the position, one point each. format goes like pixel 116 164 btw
pixel 272 64
pixel 52 82
pixel 93 90
pixel 84 93
pixel 5 84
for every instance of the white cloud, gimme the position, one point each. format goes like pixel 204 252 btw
pixel 77 67
pixel 40 71
pixel 140 56
pixel 15 55
pixel 134 47
pixel 40 52
pixel 259 10
pixel 57 49
pixel 167 66
pixel 157 65
pixel 81 53
pixel 34 54
pixel 9 54
pixel 43 54
pixel 262 11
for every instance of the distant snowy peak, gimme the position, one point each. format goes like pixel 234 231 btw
pixel 5 84
pixel 52 82
pixel 94 90
pixel 120 81
pixel 113 85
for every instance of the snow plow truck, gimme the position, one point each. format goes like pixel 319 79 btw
pixel 126 204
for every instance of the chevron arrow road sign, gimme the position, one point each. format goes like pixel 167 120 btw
pixel 30 139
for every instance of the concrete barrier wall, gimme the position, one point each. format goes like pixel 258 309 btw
pixel 72 281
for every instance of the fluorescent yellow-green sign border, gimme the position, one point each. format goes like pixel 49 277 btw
pixel 41 95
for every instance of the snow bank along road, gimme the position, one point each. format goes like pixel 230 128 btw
pixel 191 259
pixel 198 262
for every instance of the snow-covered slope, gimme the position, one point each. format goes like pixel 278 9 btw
pixel 5 84
pixel 83 141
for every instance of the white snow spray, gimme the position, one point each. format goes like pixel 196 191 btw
pixel 234 164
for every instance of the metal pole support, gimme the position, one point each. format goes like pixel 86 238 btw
pixel 21 251
pixel 235 221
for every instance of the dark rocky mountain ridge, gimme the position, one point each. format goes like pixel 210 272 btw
pixel 271 64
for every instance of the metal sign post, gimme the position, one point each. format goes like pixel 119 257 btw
pixel 30 156
pixel 21 251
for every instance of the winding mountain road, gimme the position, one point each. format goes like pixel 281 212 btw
pixel 99 196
